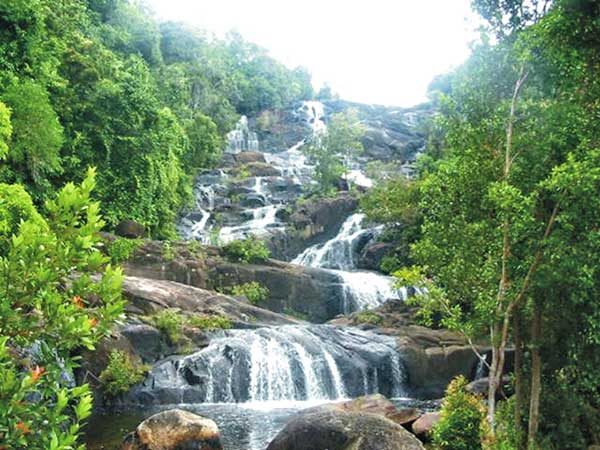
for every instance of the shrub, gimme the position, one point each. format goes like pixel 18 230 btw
pixel 462 422
pixel 507 435
pixel 169 322
pixel 253 291
pixel 368 317
pixel 46 314
pixel 210 322
pixel 196 249
pixel 121 373
pixel 247 250
pixel 121 249
pixel 167 251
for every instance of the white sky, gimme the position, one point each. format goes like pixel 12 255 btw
pixel 371 51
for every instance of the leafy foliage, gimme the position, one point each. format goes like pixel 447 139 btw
pixel 253 291
pixel 121 373
pixel 210 322
pixel 101 83
pixel 462 421
pixel 121 249
pixel 170 322
pixel 247 250
pixel 369 317
pixel 46 313
pixel 332 150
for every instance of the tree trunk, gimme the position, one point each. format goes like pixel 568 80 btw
pixel 519 398
pixel 536 377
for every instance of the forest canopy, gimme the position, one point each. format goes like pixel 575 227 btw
pixel 101 83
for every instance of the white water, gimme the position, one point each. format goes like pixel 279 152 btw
pixel 284 364
pixel 361 289
pixel 241 139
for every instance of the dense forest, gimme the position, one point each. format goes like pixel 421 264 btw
pixel 503 220
pixel 107 114
pixel 103 84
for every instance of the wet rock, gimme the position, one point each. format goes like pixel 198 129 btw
pixel 338 430
pixel 423 425
pixel 249 157
pixel 130 229
pixel 312 222
pixel 174 430
pixel 371 404
pixel 431 369
pixel 372 254
pixel 480 387
pixel 315 294
pixel 259 169
pixel 253 200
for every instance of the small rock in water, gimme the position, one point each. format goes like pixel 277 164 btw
pixel 174 430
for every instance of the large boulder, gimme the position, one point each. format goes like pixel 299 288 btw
pixel 147 296
pixel 423 425
pixel 174 430
pixel 372 255
pixel 371 404
pixel 130 229
pixel 339 430
pixel 316 294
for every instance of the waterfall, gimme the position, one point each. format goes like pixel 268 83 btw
pixel 314 113
pixel 285 363
pixel 360 289
pixel 241 139
pixel 337 253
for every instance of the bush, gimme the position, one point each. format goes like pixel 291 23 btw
pixel 169 322
pixel 168 253
pixel 121 373
pixel 368 317
pixel 462 422
pixel 47 315
pixel 253 291
pixel 121 249
pixel 210 322
pixel 247 250
pixel 507 435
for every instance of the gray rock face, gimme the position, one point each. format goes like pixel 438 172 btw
pixel 302 362
pixel 311 223
pixel 337 430
pixel 174 430
pixel 372 254
pixel 147 296
pixel 423 425
pixel 313 293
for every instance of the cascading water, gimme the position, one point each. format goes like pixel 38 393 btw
pixel 361 289
pixel 241 139
pixel 286 363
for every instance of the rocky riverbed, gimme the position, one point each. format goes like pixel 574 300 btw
pixel 306 342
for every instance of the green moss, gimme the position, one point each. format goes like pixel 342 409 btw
pixel 121 373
